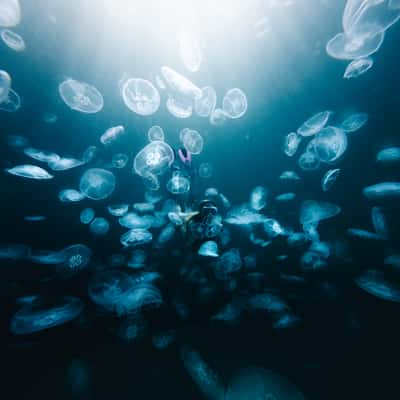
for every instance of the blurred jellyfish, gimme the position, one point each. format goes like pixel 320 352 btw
pixel 119 160
pixel 41 155
pixel 112 134
pixel 205 170
pixel 162 340
pixel 47 257
pixel 13 40
pixel 50 118
pixel 363 234
pixel 227 264
pixel 138 259
pixel 5 84
pixel 354 122
pixel 17 141
pixel 166 235
pixel 289 175
pixel 309 161
pixel 178 184
pixel 179 107
pixel 132 329
pixel 99 226
pixel 89 154
pixel 384 190
pixel 29 171
pixel 12 103
pixel 143 208
pixel 389 155
pixel 291 144
pixel 97 183
pixel 209 249
pixel 314 124
pixel 285 197
pixel 192 141
pixel 153 159
pixel 151 181
pixel 44 314
pixel 81 96
pixel 315 211
pixel 135 221
pixel 14 251
pixel 70 196
pixel 10 13
pixel 258 198
pixel 136 237
pixel 64 163
pixel 155 133
pixel 358 67
pixel 179 85
pixel 118 210
pixel 205 104
pixel 218 117
pixel 329 178
pixel 330 144
pixel 273 228
pixel 87 216
pixel 141 96
pixel 234 103
pixel 242 215
pixel 379 222
pixel 190 51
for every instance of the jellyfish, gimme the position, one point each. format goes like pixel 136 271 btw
pixel 138 259
pixel 47 257
pixel 134 221
pixel 97 183
pixel 10 13
pixel 143 208
pixel 99 226
pixel 141 96
pixel 155 133
pixel 75 259
pixel 136 237
pixel 314 124
pixel 314 211
pixel 179 107
pixel 13 40
pixel 89 154
pixel 208 249
pixel 29 171
pixel 180 86
pixel 329 178
pixel 64 163
pixel 205 170
pixel 383 190
pixel 190 51
pixel 17 141
pixel 205 104
pixel 234 103
pixel 358 67
pixel 178 184
pixel 118 210
pixel 153 159
pixel 258 198
pixel 289 175
pixel 119 160
pixel 49 118
pixel 12 103
pixel 330 144
pixel 309 161
pixel 379 222
pixel 81 96
pixel 5 85
pixel 218 117
pixel 162 340
pixel 166 235
pixel 87 216
pixel 291 144
pixel 192 140
pixel 285 197
pixel 14 252
pixel 389 155
pixel 227 264
pixel 354 122
pixel 70 196
pixel 112 134
pixel 40 155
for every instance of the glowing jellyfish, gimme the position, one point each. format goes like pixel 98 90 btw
pixel 70 196
pixel 64 163
pixel 76 258
pixel 358 67
pixel 179 107
pixel 81 96
pixel 209 249
pixel 258 198
pixel 192 141
pixel 13 40
pixel 119 160
pixel 5 85
pixel 12 103
pixel 309 161
pixel 97 183
pixel 153 159
pixel 205 170
pixel 112 134
pixel 329 179
pixel 151 181
pixel 291 143
pixel 354 122
pixel 234 103
pixel 135 221
pixel 379 222
pixel 29 171
pixel 229 263
pixel 205 104
pixel 10 13
pixel 289 175
pixel 315 211
pixel 155 133
pixel 41 155
pixel 330 144
pixel 180 86
pixel 383 190
pixel 166 235
pixel 138 259
pixel 178 184
pixel 99 226
pixel 118 210
pixel 89 154
pixel 389 155
pixel 141 96
pixel 44 314
pixel 190 51
pixel 86 216
pixel 314 124
pixel 218 117
pixel 143 208
pixel 14 251
pixel 136 237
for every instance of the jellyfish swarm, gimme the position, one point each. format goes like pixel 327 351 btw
pixel 97 183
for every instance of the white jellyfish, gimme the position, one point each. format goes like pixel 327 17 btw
pixel 112 134
pixel 13 40
pixel 192 140
pixel 358 67
pixel 97 183
pixel 155 133
pixel 5 85
pixel 234 103
pixel 314 124
pixel 29 171
pixel 205 104
pixel 99 226
pixel 10 13
pixel 178 184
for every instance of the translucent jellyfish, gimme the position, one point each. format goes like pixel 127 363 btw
pixel 49 118
pixel 354 122
pixel 374 282
pixel 192 140
pixel 258 198
pixel 17 141
pixel 234 103
pixel 99 226
pixel 201 373
pixel 178 184
pixel 166 235
pixel 155 133
pixel 29 171
pixel 40 155
pixel 229 313
pixel 314 124
pixel 314 211
pixel 209 249
pixel 273 228
pixel 179 107
pixel 14 251
pixel 358 67
pixel 309 161
pixel 379 222
pixel 162 340
pixel 289 175
pixel 135 221
pixel 291 143
pixel 329 179
pixel 12 103
pixel 87 216
pixel 47 257
pixel 112 134
pixel 287 320
pixel 190 51
pixel 119 160
pixel 76 258
pixel 153 159
pixel 97 183
pixel 118 210
pixel 227 264
pixel 218 117
pixel 151 182
pixel 330 144
pixel 10 13
pixel 211 192
pixel 205 104
pixel 384 190
pixel 205 170
pixel 89 154
pixel 141 96
pixel 13 40
pixel 138 259
pixel 143 208
pixel 5 84
pixel 179 85
pixel 81 96
pixel 389 155
pixel 285 197
pixel 65 163
pixel 268 301
pixel 136 237
pixel 44 314
pixel 70 196
pixel 243 215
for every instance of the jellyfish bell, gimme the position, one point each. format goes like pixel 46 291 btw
pixel 5 85
pixel 10 13
pixel 97 183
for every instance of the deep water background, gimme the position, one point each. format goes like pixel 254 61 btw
pixel 348 345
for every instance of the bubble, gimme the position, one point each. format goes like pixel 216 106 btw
pixel 358 67
pixel 329 178
pixel 70 196
pixel 234 103
pixel 209 249
pixel 205 170
pixel 13 40
pixel 205 104
pixel 87 216
pixel 81 96
pixel 354 122
pixel 29 171
pixel 99 226
pixel 119 160
pixel 97 183
pixel 190 51
pixel 155 133
pixel 178 184
pixel 314 124
pixel 192 140
pixel 141 96
pixel 112 134
pixel 10 13
pixel 5 85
